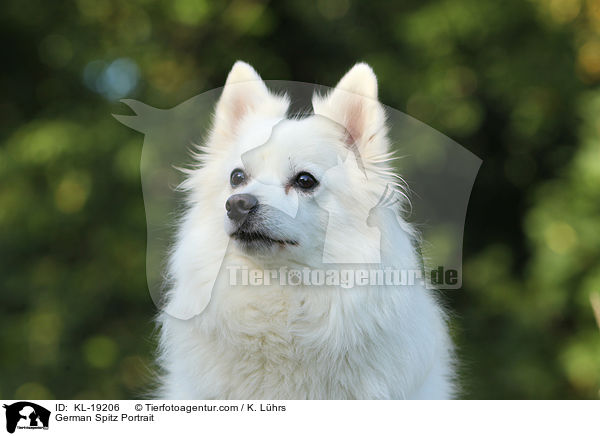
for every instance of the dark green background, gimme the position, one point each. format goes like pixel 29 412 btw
pixel 513 81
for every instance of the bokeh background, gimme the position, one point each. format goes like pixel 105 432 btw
pixel 515 82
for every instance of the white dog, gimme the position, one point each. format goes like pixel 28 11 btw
pixel 260 199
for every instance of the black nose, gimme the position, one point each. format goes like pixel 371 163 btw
pixel 239 205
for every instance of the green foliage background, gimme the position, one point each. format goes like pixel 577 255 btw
pixel 515 82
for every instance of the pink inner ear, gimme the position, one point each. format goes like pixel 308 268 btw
pixel 239 109
pixel 354 122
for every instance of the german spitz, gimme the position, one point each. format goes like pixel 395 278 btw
pixel 277 192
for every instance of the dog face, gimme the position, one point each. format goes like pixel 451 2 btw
pixel 275 187
pixel 276 181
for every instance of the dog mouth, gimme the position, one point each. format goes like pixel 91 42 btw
pixel 260 238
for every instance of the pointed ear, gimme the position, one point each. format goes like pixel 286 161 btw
pixel 353 104
pixel 245 93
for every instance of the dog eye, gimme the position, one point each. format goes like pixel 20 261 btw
pixel 306 181
pixel 237 177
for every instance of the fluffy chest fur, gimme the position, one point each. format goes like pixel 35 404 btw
pixel 308 344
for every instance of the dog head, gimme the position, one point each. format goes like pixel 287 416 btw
pixel 274 180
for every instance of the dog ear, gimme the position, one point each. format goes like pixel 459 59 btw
pixel 353 104
pixel 245 93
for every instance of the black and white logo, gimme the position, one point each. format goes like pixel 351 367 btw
pixel 26 415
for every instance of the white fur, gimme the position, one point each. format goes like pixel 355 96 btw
pixel 277 342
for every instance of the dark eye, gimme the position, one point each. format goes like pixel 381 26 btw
pixel 306 181
pixel 237 177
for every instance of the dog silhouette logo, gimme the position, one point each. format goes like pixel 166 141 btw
pixel 26 415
